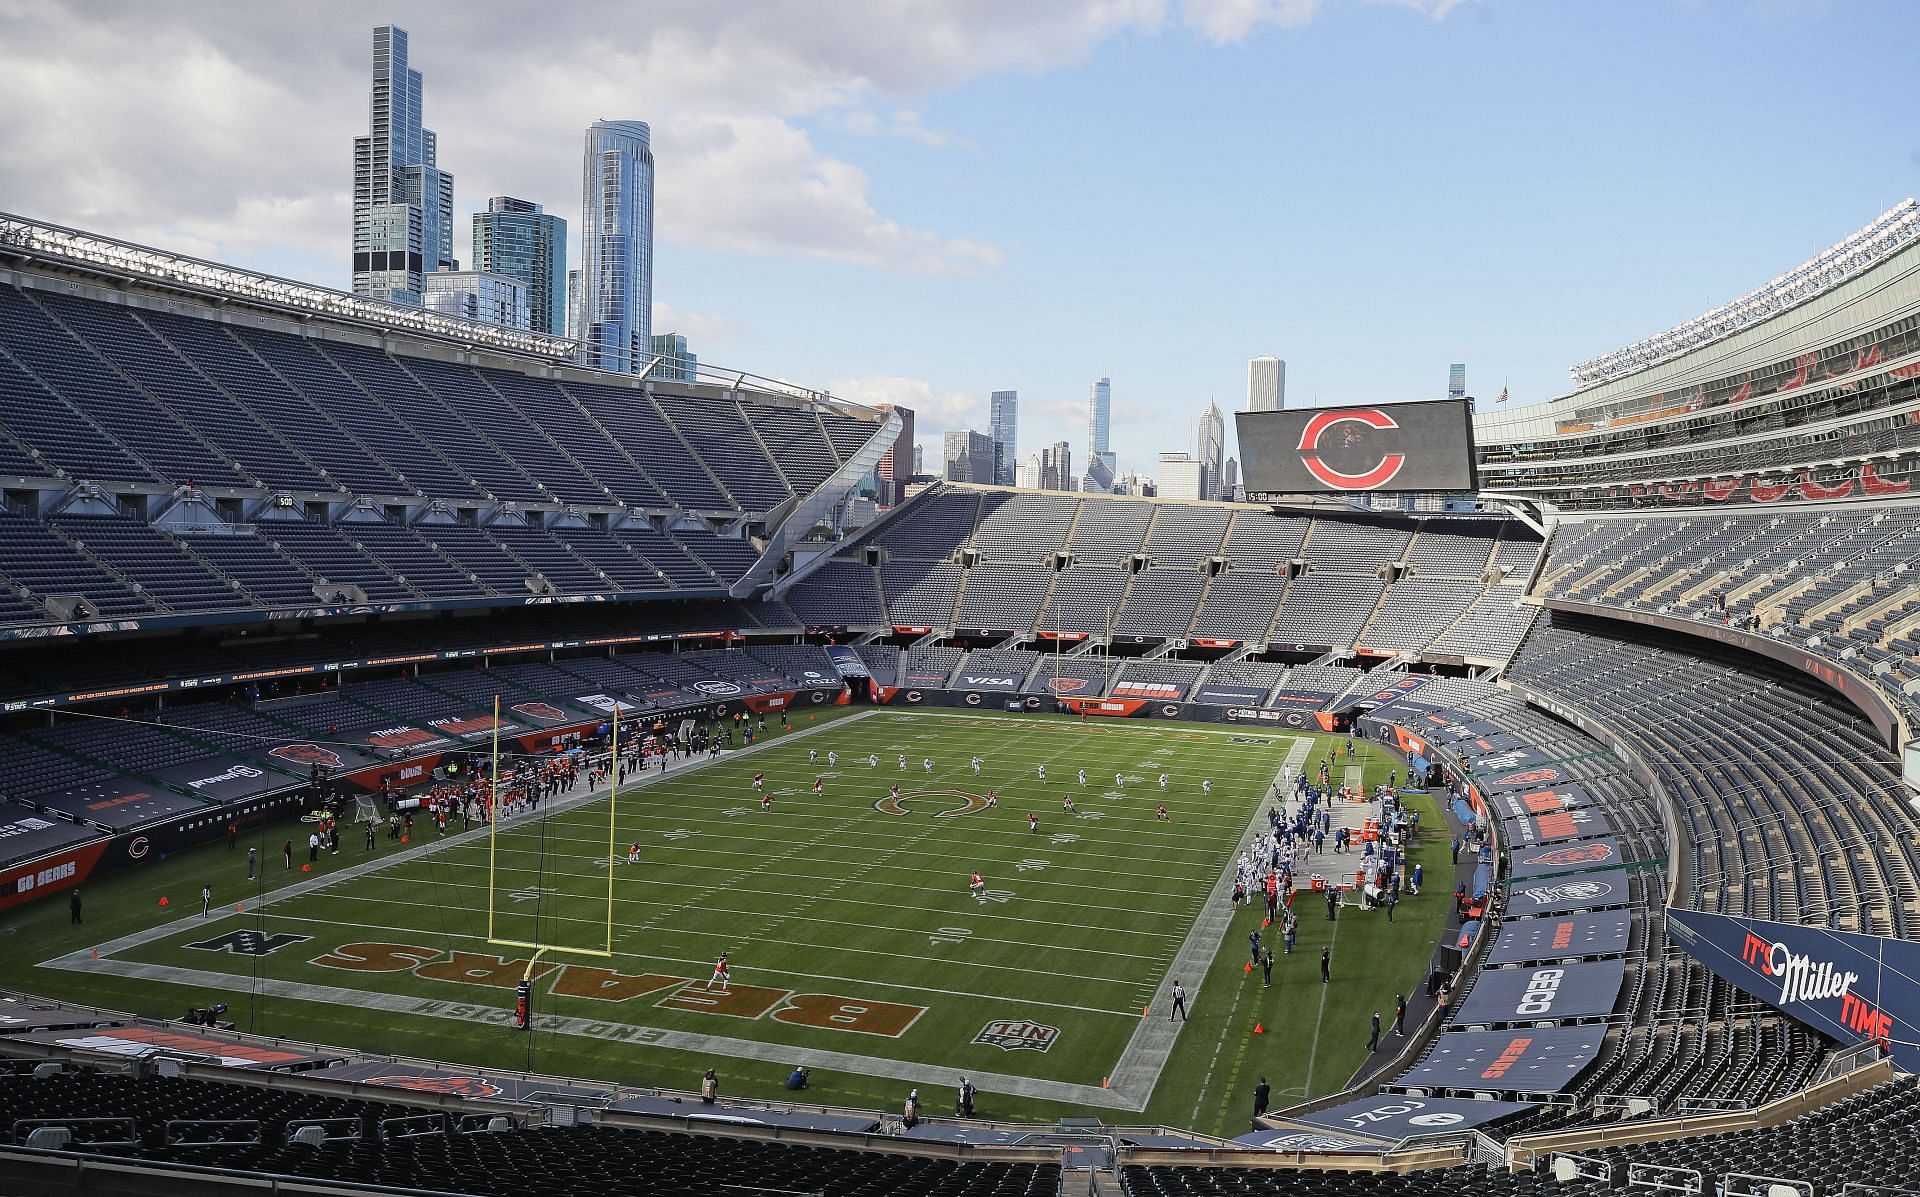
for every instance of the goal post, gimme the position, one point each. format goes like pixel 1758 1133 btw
pixel 496 816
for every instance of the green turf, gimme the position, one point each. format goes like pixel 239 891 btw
pixel 820 896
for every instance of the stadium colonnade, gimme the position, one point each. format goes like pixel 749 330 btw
pixel 278 537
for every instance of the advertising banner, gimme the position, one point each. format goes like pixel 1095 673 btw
pixel 1543 993
pixel 1524 804
pixel 1001 682
pixel 1578 856
pixel 473 726
pixel 1555 827
pixel 117 805
pixel 1230 696
pixel 1165 691
pixel 224 779
pixel 1561 937
pixel 52 872
pixel 1854 988
pixel 28 835
pixel 1564 895
pixel 139 1042
pixel 1392 1117
pixel 1531 1060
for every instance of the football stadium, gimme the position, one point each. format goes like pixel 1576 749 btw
pixel 432 764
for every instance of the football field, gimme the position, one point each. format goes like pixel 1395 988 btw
pixel 857 946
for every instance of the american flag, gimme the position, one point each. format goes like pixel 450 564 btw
pixel 1503 396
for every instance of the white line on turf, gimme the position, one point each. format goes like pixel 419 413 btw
pixel 1140 1065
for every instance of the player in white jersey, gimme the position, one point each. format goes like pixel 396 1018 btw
pixel 1119 782
pixel 1082 775
pixel 903 760
pixel 976 766
pixel 1163 781
pixel 813 756
pixel 833 758
pixel 926 764
pixel 1206 787
pixel 873 760
pixel 1041 770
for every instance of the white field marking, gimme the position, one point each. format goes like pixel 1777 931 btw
pixel 602 1031
pixel 779 974
pixel 1318 1019
pixel 832 922
pixel 940 911
pixel 565 803
pixel 1138 1070
pixel 430 848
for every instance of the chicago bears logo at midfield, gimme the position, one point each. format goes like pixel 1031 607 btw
pixel 453 1086
pixel 969 803
pixel 1347 434
pixel 1594 853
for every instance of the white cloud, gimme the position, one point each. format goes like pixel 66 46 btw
pixel 934 412
pixel 701 329
pixel 1224 22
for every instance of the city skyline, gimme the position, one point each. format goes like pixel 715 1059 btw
pixel 402 200
pixel 860 204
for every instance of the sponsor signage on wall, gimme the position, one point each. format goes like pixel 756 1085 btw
pixel 1854 988
pixel 1543 993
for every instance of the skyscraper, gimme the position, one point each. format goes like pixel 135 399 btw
pixel 677 362
pixel 1266 384
pixel 402 200
pixel 1211 443
pixel 1003 425
pixel 1457 380
pixel 968 456
pixel 1230 479
pixel 477 295
pixel 613 307
pixel 1099 420
pixel 1181 476
pixel 516 238
pixel 901 461
pixel 1056 468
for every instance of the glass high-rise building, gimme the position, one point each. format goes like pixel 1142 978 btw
pixel 676 362
pixel 1266 384
pixel 477 295
pixel 1003 425
pixel 1212 443
pixel 402 200
pixel 613 302
pixel 1099 417
pixel 516 238
pixel 1457 380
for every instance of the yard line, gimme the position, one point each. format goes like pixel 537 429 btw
pixel 971 911
pixel 702 963
pixel 596 1029
pixel 1140 1065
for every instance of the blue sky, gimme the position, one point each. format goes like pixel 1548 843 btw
pixel 927 202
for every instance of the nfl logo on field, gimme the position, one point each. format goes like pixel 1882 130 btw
pixel 1017 1035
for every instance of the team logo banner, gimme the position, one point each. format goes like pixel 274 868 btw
pixel 1572 857
pixel 1854 988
